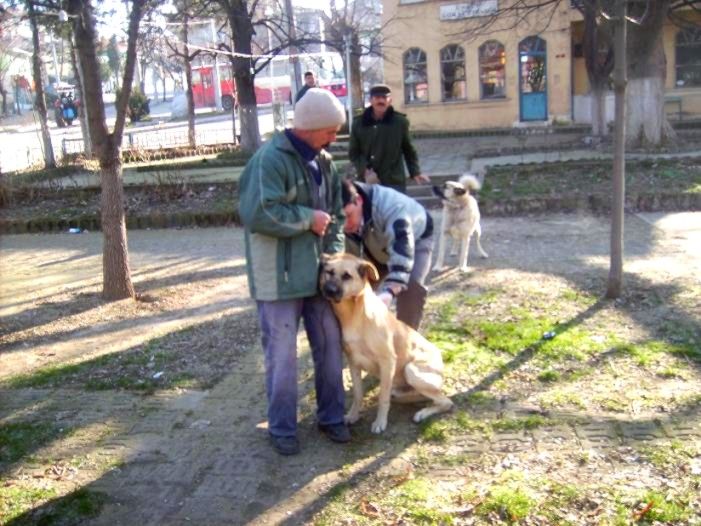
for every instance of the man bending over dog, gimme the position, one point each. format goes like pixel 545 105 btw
pixel 290 205
pixel 395 232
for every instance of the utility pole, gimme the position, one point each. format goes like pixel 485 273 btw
pixel 349 91
pixel 296 73
pixel 215 72
pixel 53 53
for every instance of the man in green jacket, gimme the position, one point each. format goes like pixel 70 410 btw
pixel 380 144
pixel 290 205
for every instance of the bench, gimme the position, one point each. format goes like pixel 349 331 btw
pixel 674 99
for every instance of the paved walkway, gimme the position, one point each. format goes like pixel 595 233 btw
pixel 201 457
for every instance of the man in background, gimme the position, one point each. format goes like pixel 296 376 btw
pixel 309 82
pixel 380 144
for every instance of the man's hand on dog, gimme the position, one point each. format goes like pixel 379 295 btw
pixel 320 221
pixel 421 179
pixel 386 297
pixel 389 293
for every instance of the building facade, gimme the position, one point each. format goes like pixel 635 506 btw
pixel 455 65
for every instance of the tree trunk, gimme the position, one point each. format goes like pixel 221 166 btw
pixel 116 274
pixel 40 103
pixel 615 281
pixel 356 79
pixel 3 93
pixel 82 110
pixel 18 105
pixel 117 282
pixel 647 123
pixel 242 31
pixel 164 88
pixel 190 106
pixel 192 141
pixel 599 126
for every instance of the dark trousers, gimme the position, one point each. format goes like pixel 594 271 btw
pixel 279 321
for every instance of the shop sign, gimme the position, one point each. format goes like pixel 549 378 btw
pixel 472 9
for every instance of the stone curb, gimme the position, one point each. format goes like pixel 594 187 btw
pixel 593 203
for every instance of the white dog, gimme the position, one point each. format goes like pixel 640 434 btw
pixel 461 218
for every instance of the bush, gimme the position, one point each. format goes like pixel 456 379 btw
pixel 138 106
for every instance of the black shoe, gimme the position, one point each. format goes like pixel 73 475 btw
pixel 336 432
pixel 285 445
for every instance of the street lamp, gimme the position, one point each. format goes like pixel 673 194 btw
pixel 268 13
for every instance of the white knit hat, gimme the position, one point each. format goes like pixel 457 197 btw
pixel 318 108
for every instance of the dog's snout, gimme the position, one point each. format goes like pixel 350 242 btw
pixel 331 290
pixel 438 191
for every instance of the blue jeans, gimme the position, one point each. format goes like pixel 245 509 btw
pixel 279 321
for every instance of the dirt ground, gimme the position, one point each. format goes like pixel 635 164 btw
pixel 158 405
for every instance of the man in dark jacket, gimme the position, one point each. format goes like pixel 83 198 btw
pixel 380 144
pixel 290 205
pixel 395 232
pixel 309 82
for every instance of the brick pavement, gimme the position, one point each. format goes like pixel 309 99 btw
pixel 201 457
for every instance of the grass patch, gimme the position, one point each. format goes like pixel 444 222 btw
pixel 561 398
pixel 651 352
pixel 135 370
pixel 521 423
pixel 549 376
pixel 461 423
pixel 440 430
pixel 670 457
pixel 674 175
pixel 653 507
pixel 508 498
pixel 17 500
pixel 32 507
pixel 21 438
pixel 418 500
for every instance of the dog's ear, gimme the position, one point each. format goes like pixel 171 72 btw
pixel 369 271
pixel 324 259
pixel 459 191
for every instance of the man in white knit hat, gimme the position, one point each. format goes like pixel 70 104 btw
pixel 290 205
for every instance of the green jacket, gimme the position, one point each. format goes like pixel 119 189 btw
pixel 384 146
pixel 275 205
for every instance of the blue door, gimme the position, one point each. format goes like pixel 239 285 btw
pixel 533 76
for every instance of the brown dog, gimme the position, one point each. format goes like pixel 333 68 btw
pixel 409 367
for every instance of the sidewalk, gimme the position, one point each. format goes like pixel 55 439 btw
pixel 189 454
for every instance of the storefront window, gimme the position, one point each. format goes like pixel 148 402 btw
pixel 688 58
pixel 453 73
pixel 415 76
pixel 492 64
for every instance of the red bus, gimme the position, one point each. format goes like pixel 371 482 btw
pixel 266 87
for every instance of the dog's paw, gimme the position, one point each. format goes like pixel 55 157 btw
pixel 421 415
pixel 438 268
pixel 464 269
pixel 484 255
pixel 378 426
pixel 351 418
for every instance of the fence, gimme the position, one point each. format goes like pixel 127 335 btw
pixel 31 153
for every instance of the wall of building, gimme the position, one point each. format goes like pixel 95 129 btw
pixel 419 25
pixel 686 98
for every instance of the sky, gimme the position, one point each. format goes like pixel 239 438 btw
pixel 119 21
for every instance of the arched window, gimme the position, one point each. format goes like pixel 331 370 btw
pixel 415 76
pixel 492 65
pixel 453 72
pixel 688 57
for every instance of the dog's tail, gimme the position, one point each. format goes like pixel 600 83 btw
pixel 470 181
